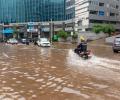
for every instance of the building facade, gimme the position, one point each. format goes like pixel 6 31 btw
pixel 90 12
pixel 69 15
pixel 70 9
pixel 18 11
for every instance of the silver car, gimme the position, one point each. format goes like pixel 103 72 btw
pixel 12 41
pixel 116 45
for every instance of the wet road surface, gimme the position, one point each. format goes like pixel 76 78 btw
pixel 56 73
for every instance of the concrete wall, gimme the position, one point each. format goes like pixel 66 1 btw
pixel 110 40
pixel 91 35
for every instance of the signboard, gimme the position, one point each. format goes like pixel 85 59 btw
pixel 32 30
pixel 32 23
pixel 71 33
pixel 45 29
pixel 31 27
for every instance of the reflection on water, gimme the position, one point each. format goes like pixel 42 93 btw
pixel 69 90
pixel 34 73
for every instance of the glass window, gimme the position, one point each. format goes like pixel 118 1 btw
pixel 31 10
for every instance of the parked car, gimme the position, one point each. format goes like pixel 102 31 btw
pixel 116 45
pixel 12 41
pixel 25 41
pixel 43 42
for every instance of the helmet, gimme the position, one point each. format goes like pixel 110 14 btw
pixel 82 38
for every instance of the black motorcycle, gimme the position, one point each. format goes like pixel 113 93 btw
pixel 84 55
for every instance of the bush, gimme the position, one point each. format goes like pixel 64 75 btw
pixel 62 34
pixel 106 28
pixel 97 28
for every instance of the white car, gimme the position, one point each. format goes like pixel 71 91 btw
pixel 12 41
pixel 44 42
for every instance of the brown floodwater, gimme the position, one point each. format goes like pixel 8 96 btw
pixel 56 73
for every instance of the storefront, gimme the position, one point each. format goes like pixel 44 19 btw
pixel 32 30
pixel 8 33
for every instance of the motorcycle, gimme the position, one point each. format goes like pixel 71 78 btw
pixel 84 55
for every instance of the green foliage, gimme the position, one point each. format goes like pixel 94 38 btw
pixel 97 28
pixel 15 31
pixel 62 34
pixel 75 36
pixel 106 28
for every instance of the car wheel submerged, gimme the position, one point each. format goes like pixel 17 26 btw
pixel 115 51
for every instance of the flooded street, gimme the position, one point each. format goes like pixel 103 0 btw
pixel 57 73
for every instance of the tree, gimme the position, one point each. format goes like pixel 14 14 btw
pixel 75 35
pixel 15 31
pixel 62 34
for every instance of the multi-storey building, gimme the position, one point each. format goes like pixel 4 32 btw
pixel 70 9
pixel 90 12
pixel 31 10
pixel 70 15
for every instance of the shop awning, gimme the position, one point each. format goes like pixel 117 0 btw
pixel 8 31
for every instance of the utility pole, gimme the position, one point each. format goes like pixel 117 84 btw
pixel 73 25
pixel 25 31
pixel 39 30
pixel 1 31
pixel 3 35
pixel 51 29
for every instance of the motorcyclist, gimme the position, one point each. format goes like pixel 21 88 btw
pixel 82 47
